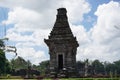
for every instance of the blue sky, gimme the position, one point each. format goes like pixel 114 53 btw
pixel 94 4
pixel 91 21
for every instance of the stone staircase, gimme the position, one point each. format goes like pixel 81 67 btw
pixel 62 74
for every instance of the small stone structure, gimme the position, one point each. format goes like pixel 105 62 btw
pixel 62 47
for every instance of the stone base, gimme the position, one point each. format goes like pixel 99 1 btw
pixel 63 74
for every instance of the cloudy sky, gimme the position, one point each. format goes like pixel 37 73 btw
pixel 95 23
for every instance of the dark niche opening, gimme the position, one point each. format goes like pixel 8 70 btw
pixel 60 61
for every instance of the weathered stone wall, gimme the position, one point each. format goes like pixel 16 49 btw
pixel 62 42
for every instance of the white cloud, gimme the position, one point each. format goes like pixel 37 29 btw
pixel 47 13
pixel 81 34
pixel 104 37
pixel 25 19
pixel 37 17
pixel 36 37
pixel 108 18
pixel 101 42
pixel 76 9
pixel 30 54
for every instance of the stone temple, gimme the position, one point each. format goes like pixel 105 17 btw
pixel 62 47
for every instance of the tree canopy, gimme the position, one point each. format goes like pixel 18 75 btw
pixel 4 63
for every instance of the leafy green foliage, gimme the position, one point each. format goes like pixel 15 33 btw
pixel 117 66
pixel 42 67
pixel 98 67
pixel 20 63
pixel 1 43
pixel 113 67
pixel 4 63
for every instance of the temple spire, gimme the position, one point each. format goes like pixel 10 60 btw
pixel 62 46
pixel 61 27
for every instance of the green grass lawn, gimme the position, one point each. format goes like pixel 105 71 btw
pixel 85 79
pixel 20 78
pixel 69 79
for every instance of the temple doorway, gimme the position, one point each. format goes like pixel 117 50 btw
pixel 60 61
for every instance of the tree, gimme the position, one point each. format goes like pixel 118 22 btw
pixel 1 43
pixel 80 65
pixel 4 63
pixel 19 63
pixel 8 67
pixel 42 67
pixel 98 67
pixel 110 68
pixel 117 66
